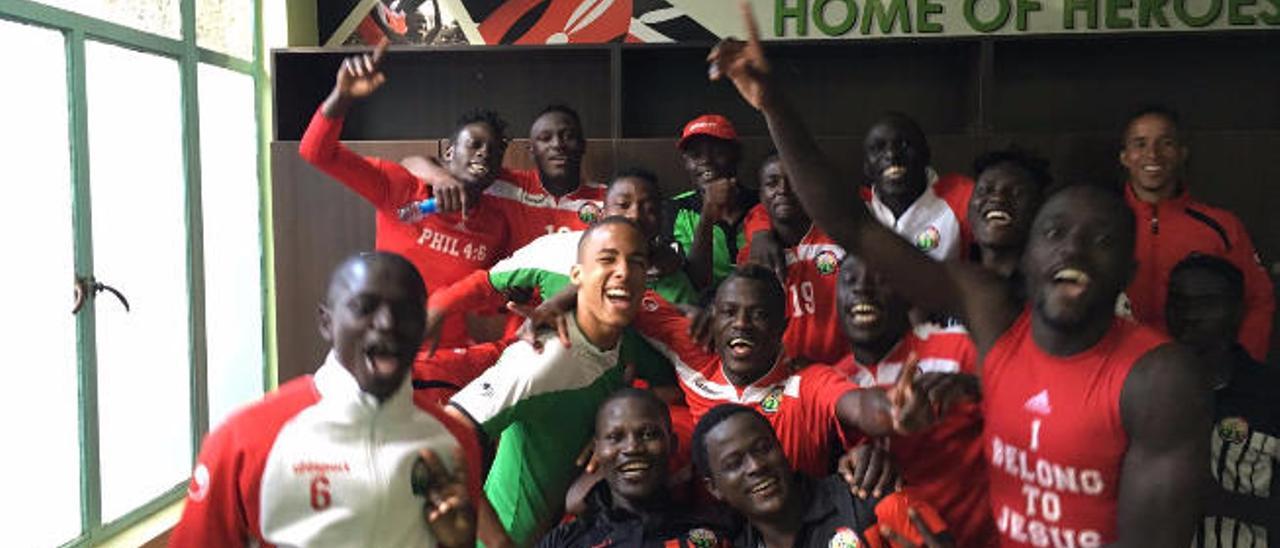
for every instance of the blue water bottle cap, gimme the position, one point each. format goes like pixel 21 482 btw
pixel 427 206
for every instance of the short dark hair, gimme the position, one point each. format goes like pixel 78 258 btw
pixel 483 116
pixel 1153 110
pixel 1214 265
pixel 610 220
pixel 712 419
pixel 1034 164
pixel 638 173
pixel 561 109
pixel 762 274
pixel 647 396
pixel 339 279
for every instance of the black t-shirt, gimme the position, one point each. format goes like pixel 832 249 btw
pixel 1245 457
pixel 834 518
pixel 604 525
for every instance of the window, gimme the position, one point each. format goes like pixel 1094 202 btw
pixel 139 144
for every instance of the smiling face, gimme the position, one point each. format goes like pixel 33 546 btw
pixel 610 275
pixel 747 468
pixel 632 444
pixel 1154 156
pixel 870 312
pixel 475 155
pixel 707 159
pixel 374 317
pixel 633 198
pixel 780 202
pixel 749 319
pixel 557 145
pixel 1003 204
pixel 896 157
pixel 1079 257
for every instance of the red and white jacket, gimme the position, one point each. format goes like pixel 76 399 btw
pixel 319 462
pixel 937 223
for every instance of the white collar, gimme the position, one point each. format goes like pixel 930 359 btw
pixel 338 388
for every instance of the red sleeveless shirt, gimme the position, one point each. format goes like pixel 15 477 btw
pixel 1054 438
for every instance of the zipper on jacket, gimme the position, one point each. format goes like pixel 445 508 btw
pixel 1155 219
pixel 372 450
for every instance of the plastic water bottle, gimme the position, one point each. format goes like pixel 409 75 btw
pixel 415 211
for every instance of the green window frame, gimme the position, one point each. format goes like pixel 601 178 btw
pixel 76 29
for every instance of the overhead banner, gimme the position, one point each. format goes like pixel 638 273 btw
pixel 498 22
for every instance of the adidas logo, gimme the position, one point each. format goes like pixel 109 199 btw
pixel 1039 403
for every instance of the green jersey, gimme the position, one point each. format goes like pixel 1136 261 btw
pixel 543 404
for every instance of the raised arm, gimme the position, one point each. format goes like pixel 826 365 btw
pixel 385 184
pixel 1166 410
pixel 981 299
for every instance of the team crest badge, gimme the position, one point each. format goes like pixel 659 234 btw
pixel 772 401
pixel 1233 429
pixel 844 538
pixel 589 212
pixel 826 262
pixel 649 303
pixel 929 239
pixel 702 538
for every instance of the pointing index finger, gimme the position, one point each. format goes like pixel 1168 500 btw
pixel 749 17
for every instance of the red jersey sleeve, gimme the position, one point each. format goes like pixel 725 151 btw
pixel 892 512
pixel 956 190
pixel 223 501
pixel 1260 299
pixel 756 221
pixel 386 185
pixel 472 292
pixel 666 328
pixel 215 513
pixel 821 388
pixel 471 459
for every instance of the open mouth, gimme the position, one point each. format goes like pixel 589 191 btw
pixel 864 314
pixel 893 172
pixel 1153 169
pixel 741 347
pixel 618 296
pixel 1071 281
pixel 634 470
pixel 478 169
pixel 381 360
pixel 998 217
pixel 764 488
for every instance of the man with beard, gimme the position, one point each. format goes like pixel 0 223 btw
pixel 1173 225
pixel 632 507
pixel 327 454
pixel 943 464
pixel 744 466
pixel 443 246
pixel 1093 424
pixel 541 402
pixel 1205 307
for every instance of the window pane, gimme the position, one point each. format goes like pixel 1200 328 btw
pixel 225 26
pixel 155 16
pixel 39 401
pixel 139 247
pixel 232 250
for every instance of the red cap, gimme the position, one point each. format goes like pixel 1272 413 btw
pixel 713 125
